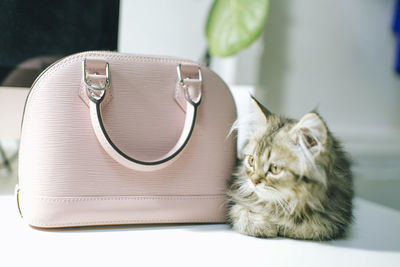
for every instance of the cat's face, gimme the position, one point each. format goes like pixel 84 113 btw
pixel 270 167
pixel 294 179
pixel 281 158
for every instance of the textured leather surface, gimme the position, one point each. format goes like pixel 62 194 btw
pixel 60 157
pixel 83 211
pixel 192 86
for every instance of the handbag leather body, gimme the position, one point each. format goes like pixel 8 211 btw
pixel 110 138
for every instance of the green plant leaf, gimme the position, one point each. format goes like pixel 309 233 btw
pixel 233 25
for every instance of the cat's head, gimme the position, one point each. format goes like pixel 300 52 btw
pixel 285 158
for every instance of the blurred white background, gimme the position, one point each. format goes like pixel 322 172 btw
pixel 336 56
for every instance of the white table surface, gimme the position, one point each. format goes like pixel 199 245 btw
pixel 374 241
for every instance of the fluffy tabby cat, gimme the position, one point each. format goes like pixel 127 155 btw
pixel 294 180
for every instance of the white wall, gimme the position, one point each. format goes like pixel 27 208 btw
pixel 159 27
pixel 337 56
pixel 334 55
pixel 177 28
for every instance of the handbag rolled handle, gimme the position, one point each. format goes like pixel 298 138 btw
pixel 96 92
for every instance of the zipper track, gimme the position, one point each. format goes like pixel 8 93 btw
pixel 42 73
pixel 23 115
pixel 91 52
pixel 33 84
pixel 30 93
pixel 17 191
pixel 58 61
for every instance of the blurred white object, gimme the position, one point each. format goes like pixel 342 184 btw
pixel 177 28
pixel 12 101
pixel 241 95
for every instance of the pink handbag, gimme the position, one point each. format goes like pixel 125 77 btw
pixel 110 138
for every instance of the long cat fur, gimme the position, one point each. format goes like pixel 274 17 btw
pixel 311 197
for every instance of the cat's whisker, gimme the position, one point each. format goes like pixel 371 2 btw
pixel 280 200
pixel 304 187
pixel 293 206
pixel 284 206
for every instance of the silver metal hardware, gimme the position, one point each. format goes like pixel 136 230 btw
pixel 185 86
pixel 107 83
pixel 96 94
pixel 180 79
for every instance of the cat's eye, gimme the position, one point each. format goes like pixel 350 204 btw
pixel 250 160
pixel 275 169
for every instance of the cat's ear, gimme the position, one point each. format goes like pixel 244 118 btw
pixel 311 131
pixel 262 113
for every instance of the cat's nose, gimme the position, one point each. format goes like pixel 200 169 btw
pixel 255 179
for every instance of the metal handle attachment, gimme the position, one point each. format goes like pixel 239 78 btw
pixel 192 88
pixel 96 94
